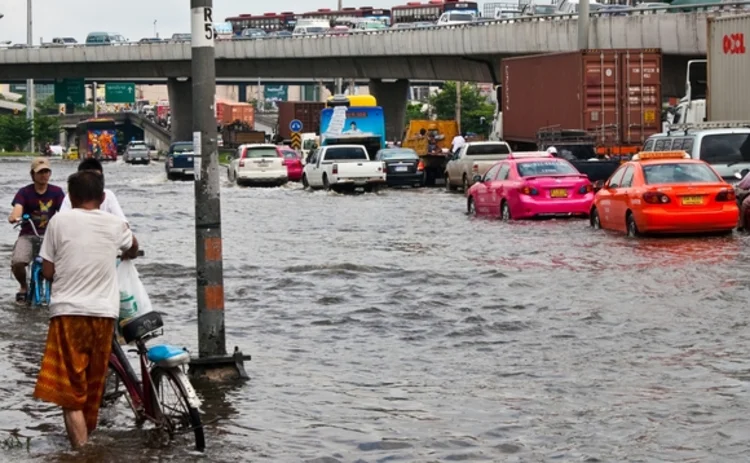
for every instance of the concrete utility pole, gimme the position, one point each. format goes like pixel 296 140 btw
pixel 213 361
pixel 583 24
pixel 94 88
pixel 30 104
pixel 340 80
pixel 459 86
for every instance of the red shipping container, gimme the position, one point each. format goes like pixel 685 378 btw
pixel 306 112
pixel 613 93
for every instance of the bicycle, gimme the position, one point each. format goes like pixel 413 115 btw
pixel 38 292
pixel 161 367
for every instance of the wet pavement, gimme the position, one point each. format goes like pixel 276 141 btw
pixel 392 327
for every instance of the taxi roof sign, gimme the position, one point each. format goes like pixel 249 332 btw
pixel 529 154
pixel 646 155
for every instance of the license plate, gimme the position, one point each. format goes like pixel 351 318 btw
pixel 401 169
pixel 692 200
pixel 559 193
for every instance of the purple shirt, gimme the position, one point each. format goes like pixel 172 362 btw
pixel 41 208
pixel 745 183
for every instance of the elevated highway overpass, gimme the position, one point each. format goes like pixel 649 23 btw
pixel 154 134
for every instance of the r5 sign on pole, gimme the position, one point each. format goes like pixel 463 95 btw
pixel 202 27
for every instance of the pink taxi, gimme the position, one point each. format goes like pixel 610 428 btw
pixel 530 185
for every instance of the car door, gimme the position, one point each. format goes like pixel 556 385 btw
pixel 482 189
pixel 456 167
pixel 234 164
pixel 605 200
pixel 622 194
pixel 315 176
pixel 498 187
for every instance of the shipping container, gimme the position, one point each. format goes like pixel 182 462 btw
pixel 728 68
pixel 229 113
pixel 306 112
pixel 614 94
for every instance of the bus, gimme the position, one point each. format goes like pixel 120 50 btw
pixel 97 138
pixel 351 101
pixel 336 16
pixel 269 22
pixel 430 11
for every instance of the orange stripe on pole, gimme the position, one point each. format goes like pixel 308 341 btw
pixel 212 249
pixel 214 297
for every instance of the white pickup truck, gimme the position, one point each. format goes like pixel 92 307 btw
pixel 340 167
pixel 474 158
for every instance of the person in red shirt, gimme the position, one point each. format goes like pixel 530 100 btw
pixel 41 201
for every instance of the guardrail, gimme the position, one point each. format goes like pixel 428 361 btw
pixel 737 7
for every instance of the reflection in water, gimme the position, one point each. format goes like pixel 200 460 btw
pixel 392 327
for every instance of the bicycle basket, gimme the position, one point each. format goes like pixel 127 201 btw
pixel 139 327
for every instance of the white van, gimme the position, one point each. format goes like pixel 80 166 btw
pixel 727 149
pixel 311 26
pixel 453 18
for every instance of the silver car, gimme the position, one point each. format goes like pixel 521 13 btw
pixel 137 154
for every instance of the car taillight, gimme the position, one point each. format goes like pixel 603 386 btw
pixel 531 191
pixel 420 166
pixel 242 163
pixel 335 169
pixel 382 167
pixel 170 160
pixel 586 189
pixel 654 197
pixel 726 195
pixel 475 168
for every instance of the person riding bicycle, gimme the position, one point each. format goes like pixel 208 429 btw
pixel 79 255
pixel 41 201
pixel 110 203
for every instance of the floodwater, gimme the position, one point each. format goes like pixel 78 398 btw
pixel 392 327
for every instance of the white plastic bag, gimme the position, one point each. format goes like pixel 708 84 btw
pixel 134 300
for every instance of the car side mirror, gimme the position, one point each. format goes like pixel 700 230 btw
pixel 477 179
pixel 598 185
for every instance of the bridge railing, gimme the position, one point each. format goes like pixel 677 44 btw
pixel 734 7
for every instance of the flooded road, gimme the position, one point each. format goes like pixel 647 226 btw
pixel 392 327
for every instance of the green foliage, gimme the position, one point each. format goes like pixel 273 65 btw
pixel 476 111
pixel 46 129
pixel 47 106
pixel 414 112
pixel 15 132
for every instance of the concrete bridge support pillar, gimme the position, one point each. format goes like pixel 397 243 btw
pixel 181 108
pixel 393 97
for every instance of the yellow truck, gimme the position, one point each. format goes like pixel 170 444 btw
pixel 432 142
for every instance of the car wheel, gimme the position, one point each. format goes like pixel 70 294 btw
pixel 305 185
pixel 471 208
pixel 465 184
pixel 596 224
pixel 631 225
pixel 448 184
pixel 505 212
pixel 326 185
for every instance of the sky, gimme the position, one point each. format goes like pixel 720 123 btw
pixel 134 19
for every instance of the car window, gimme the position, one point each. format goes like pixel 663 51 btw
pixel 663 144
pixel 289 154
pixel 257 153
pixel 725 148
pixel 649 146
pixel 627 177
pixel 490 175
pixel 617 178
pixel 552 167
pixel 345 153
pixel 504 171
pixel 487 149
pixel 688 172
pixel 237 153
pixel 687 144
pixel 183 148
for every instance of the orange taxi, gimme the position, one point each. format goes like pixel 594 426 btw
pixel 665 192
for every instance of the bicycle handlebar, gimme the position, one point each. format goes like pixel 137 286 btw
pixel 27 218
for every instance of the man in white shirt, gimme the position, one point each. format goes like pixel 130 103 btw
pixel 79 250
pixel 458 142
pixel 110 203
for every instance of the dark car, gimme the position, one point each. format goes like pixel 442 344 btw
pixel 402 166
pixel 179 163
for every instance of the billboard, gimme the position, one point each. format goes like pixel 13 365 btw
pixel 355 122
pixel 275 93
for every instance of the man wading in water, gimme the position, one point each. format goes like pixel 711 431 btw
pixel 79 251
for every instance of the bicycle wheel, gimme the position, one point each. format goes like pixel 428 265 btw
pixel 177 401
pixel 116 400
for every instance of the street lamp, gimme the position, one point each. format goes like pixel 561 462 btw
pixel 155 33
pixel 30 82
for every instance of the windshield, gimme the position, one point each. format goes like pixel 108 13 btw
pixel 289 154
pixel 460 17
pixel 487 149
pixel 545 9
pixel 183 148
pixel 314 30
pixel 308 144
pixel 398 154
pixel 537 168
pixel 345 153
pixel 256 153
pixel 725 148
pixel 688 172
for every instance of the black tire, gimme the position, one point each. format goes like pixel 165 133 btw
pixel 190 417
pixel 594 220
pixel 631 226
pixel 448 186
pixel 171 177
pixel 471 208
pixel 326 185
pixel 505 215
pixel 305 184
pixel 465 184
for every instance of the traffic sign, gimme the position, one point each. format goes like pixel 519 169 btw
pixel 296 140
pixel 295 125
pixel 119 93
pixel 70 91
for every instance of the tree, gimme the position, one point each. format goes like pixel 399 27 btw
pixel 47 106
pixel 15 132
pixel 414 112
pixel 46 129
pixel 476 112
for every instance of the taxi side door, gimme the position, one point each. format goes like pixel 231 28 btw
pixel 499 187
pixel 483 189
pixel 605 199
pixel 621 197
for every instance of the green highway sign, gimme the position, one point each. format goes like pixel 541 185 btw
pixel 70 91
pixel 119 93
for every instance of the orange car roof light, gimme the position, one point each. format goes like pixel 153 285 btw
pixel 529 155
pixel 646 155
